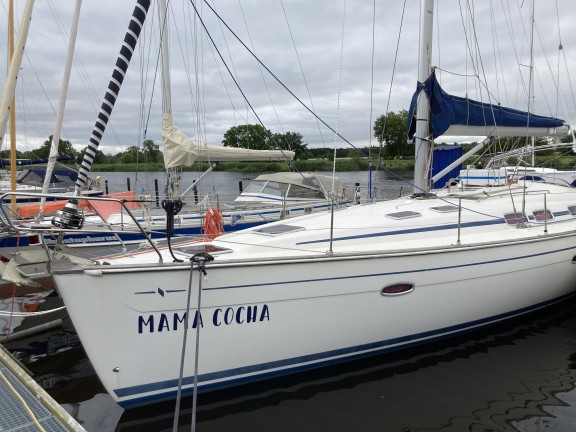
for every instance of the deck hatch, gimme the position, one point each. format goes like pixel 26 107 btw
pixel 204 248
pixel 279 229
pixel 445 209
pixel 403 215
pixel 515 218
pixel 542 215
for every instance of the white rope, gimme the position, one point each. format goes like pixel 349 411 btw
pixel 339 93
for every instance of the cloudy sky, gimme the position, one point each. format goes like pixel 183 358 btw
pixel 322 50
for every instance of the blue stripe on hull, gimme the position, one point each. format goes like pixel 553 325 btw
pixel 294 365
pixel 103 238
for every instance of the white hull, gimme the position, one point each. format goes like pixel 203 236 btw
pixel 314 308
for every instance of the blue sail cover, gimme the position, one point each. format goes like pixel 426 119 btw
pixel 5 163
pixel 447 110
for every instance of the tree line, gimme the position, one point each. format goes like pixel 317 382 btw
pixel 390 131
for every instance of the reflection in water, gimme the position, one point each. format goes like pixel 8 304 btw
pixel 519 376
pixel 15 303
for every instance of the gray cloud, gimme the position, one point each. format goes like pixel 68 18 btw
pixel 316 28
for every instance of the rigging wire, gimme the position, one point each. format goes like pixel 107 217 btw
pixel 340 62
pixel 230 72
pixel 235 75
pixel 260 67
pixel 271 73
pixel 83 74
pixel 304 76
pixel 392 78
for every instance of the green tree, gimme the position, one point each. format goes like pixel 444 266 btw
pixel 132 154
pixel 251 136
pixel 291 141
pixel 64 149
pixel 152 152
pixel 390 131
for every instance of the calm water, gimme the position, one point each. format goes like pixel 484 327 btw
pixel 227 184
pixel 520 376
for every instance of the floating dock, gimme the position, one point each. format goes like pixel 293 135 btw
pixel 25 406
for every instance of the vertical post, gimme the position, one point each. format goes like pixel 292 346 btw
pixel 157 195
pixel 459 218
pixel 240 186
pixel 545 215
pixel 195 194
pixel 128 183
pixel 370 179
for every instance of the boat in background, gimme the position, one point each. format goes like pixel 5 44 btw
pixel 268 198
pixel 498 172
pixel 61 182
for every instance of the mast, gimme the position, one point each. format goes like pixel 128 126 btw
pixel 531 81
pixel 62 104
pixel 10 85
pixel 12 109
pixel 172 184
pixel 69 217
pixel 166 90
pixel 422 144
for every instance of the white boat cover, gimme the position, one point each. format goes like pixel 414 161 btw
pixel 310 181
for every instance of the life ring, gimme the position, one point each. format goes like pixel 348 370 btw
pixel 213 225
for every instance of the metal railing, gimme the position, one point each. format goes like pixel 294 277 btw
pixel 12 226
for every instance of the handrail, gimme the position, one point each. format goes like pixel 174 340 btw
pixel 521 152
pixel 7 221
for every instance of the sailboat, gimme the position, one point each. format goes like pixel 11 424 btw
pixel 331 287
pixel 283 195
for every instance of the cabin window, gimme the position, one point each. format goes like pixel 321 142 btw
pixel 296 191
pixel 515 218
pixel 397 289
pixel 445 209
pixel 541 215
pixel 572 210
pixel 255 187
pixel 274 188
pixel 403 215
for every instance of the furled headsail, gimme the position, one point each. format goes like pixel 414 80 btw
pixel 457 116
pixel 180 150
